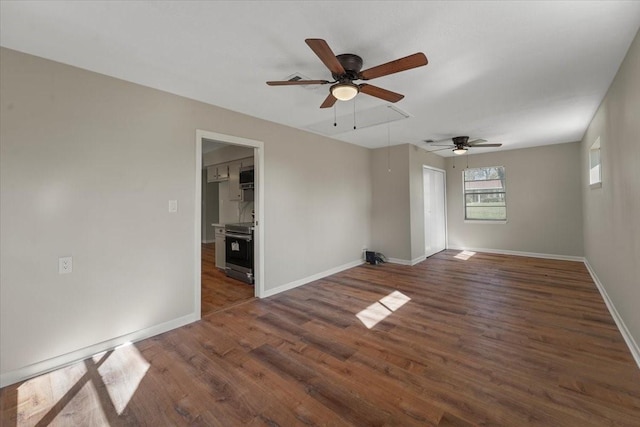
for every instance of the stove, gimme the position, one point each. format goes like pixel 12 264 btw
pixel 239 251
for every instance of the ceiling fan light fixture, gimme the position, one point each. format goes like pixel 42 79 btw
pixel 460 150
pixel 344 91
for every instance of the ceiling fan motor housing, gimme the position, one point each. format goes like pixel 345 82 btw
pixel 460 141
pixel 352 65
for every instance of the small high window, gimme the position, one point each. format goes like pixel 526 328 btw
pixel 595 165
pixel 485 194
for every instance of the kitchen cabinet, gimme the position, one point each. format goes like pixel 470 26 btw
pixel 220 249
pixel 217 173
pixel 235 192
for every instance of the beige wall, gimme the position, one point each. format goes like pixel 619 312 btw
pixel 88 164
pixel 398 200
pixel 612 212
pixel 390 216
pixel 544 212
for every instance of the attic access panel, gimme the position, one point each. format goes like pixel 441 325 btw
pixel 364 119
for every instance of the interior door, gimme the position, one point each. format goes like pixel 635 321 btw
pixel 435 218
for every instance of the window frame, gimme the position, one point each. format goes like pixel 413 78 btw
pixel 464 198
pixel 595 162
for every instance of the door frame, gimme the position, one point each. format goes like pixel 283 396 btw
pixel 444 193
pixel 258 205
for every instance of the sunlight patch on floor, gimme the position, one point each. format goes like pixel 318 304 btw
pixel 465 255
pixel 45 391
pixel 379 310
pixel 124 369
pixel 59 394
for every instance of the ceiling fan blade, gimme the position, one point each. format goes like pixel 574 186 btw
pixel 378 92
pixel 439 149
pixel 326 55
pixel 431 141
pixel 476 141
pixel 297 82
pixel 486 145
pixel 329 101
pixel 402 64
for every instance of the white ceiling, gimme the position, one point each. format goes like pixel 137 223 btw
pixel 517 73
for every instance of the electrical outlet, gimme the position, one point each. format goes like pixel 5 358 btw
pixel 173 206
pixel 65 265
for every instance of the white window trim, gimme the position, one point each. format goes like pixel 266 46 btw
pixel 486 221
pixel 482 221
pixel 596 146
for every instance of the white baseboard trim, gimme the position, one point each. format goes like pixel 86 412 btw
pixel 628 338
pixel 308 279
pixel 520 253
pixel 208 241
pixel 399 261
pixel 63 360
pixel 406 261
pixel 419 259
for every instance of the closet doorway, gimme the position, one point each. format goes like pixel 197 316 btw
pixel 435 210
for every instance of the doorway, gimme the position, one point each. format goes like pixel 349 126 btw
pixel 213 289
pixel 435 210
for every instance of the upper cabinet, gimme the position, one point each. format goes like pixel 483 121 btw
pixel 217 173
pixel 235 193
pixel 230 171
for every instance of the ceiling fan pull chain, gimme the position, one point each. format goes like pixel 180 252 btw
pixel 467 156
pixel 388 144
pixel 334 116
pixel 354 114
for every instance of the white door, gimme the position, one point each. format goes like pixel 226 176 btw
pixel 435 219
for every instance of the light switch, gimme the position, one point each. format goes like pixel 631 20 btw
pixel 173 206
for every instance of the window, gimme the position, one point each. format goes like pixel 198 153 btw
pixel 595 170
pixel 485 194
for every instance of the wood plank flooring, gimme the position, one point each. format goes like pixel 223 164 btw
pixel 491 340
pixel 218 290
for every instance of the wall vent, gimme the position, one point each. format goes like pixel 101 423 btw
pixel 298 76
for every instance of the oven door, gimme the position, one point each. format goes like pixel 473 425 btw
pixel 239 250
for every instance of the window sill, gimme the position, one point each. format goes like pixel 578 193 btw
pixel 595 185
pixel 484 221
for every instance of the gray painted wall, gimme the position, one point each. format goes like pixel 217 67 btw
pixel 88 164
pixel 544 210
pixel 390 216
pixel 612 212
pixel 398 200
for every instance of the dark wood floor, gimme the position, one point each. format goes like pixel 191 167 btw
pixel 218 290
pixel 491 340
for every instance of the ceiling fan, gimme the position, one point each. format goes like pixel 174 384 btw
pixel 460 144
pixel 345 68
